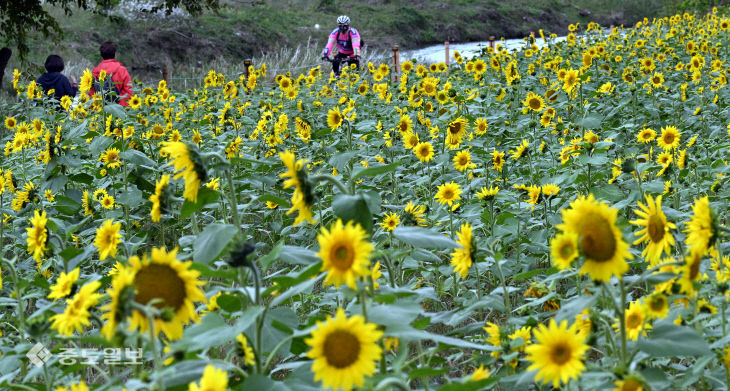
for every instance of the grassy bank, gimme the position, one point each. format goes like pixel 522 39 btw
pixel 258 29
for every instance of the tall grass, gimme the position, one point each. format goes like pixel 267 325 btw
pixel 296 60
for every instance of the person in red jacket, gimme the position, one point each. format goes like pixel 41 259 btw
pixel 115 70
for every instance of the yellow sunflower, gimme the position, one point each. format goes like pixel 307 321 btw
pixel 462 258
pixel 110 157
pixel 121 293
pixel 448 193
pixel 344 351
pixel 302 199
pixel 64 285
pixel 414 214
pixel 657 306
pixel 187 160
pixel 497 160
pixel 690 272
pixel 635 320
pixel 534 102
pixel 557 353
pixel 173 283
pixel 213 380
pixel 334 118
pixel 488 193
pixel 521 150
pixel 599 239
pixel 481 126
pixel 669 138
pixel 108 238
pixel 37 235
pixel 76 315
pixel 345 253
pixel 246 351
pixel 655 229
pixel 424 151
pixel 405 124
pixel 462 160
pixel 158 199
pixel 456 131
pixel 390 221
pixel 702 228
pixel 564 249
pixel 628 384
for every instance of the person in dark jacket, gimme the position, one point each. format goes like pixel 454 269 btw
pixel 53 79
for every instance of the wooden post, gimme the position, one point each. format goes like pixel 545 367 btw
pixel 446 46
pixel 396 64
pixel 491 41
pixel 166 77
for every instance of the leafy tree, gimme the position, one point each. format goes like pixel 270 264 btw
pixel 19 18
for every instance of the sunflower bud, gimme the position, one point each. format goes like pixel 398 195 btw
pixel 629 165
pixel 167 314
pixel 722 288
pixel 240 253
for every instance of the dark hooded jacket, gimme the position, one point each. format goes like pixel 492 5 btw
pixel 58 82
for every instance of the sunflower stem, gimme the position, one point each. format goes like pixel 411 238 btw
pixel 233 200
pixel 18 295
pixel 333 180
pixel 622 321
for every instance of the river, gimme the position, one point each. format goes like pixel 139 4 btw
pixel 437 53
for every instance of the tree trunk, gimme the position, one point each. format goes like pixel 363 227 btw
pixel 5 54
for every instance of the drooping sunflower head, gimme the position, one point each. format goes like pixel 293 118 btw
pixel 702 228
pixel 171 285
pixel 344 351
pixel 655 229
pixel 334 118
pixel 462 258
pixel 599 240
pixel 414 214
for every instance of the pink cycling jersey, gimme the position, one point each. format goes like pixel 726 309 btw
pixel 345 45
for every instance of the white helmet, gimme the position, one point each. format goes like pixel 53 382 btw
pixel 343 19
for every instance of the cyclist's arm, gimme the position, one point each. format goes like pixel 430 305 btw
pixel 330 43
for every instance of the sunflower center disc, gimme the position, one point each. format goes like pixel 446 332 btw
pixel 656 305
pixel 566 250
pixel 534 104
pixel 342 257
pixel 159 282
pixel 448 194
pixel 694 267
pixel 668 138
pixel 341 349
pixel 560 354
pixel 655 228
pixel 633 321
pixel 597 241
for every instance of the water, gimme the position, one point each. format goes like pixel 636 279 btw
pixel 437 53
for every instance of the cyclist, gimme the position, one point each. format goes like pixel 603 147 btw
pixel 348 45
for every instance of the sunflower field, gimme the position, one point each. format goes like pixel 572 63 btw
pixel 553 217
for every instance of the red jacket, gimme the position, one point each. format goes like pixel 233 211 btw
pixel 120 77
